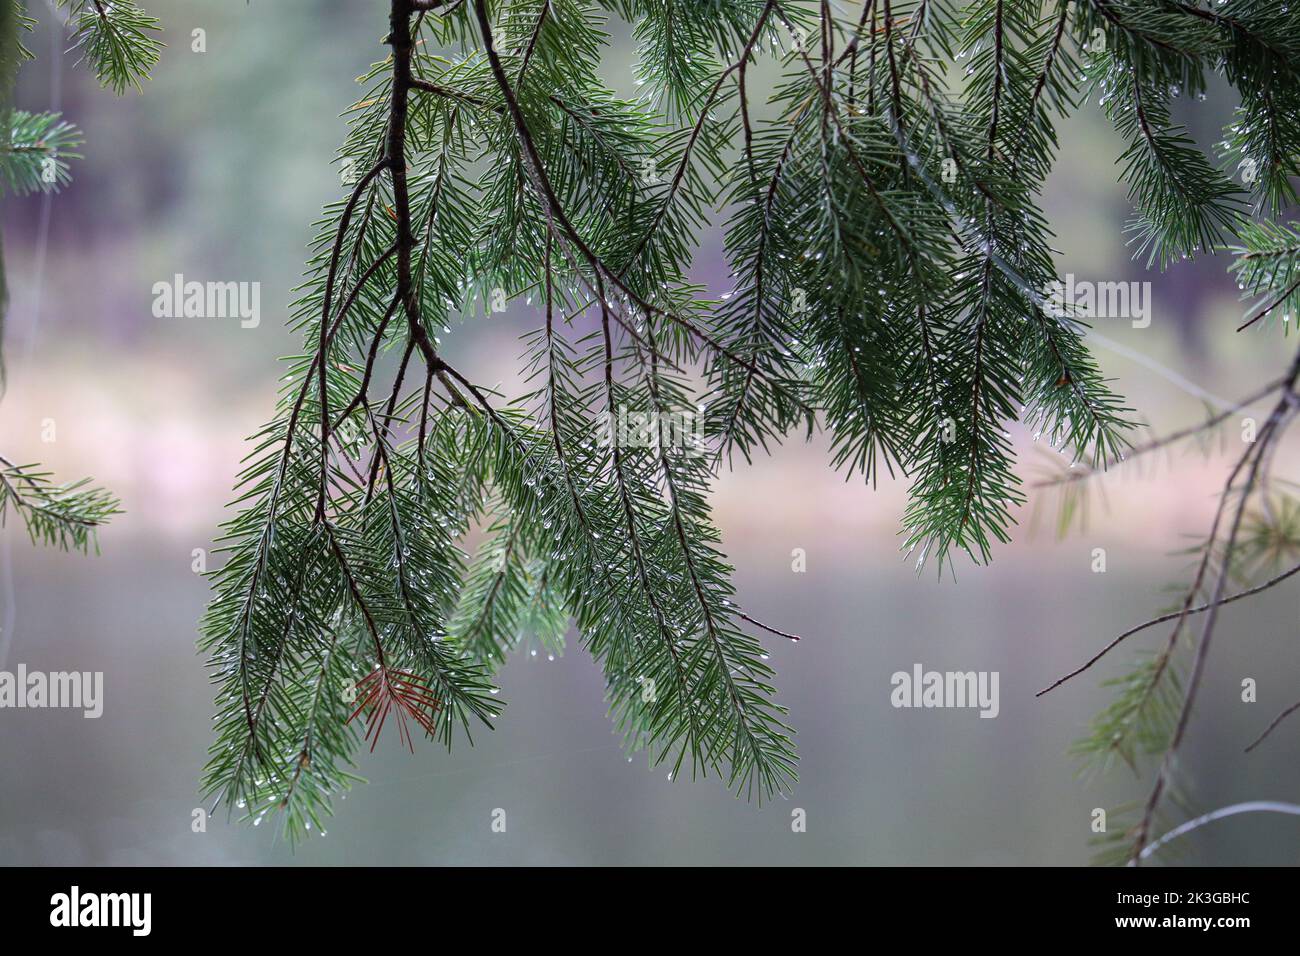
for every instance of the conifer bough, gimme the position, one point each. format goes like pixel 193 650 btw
pixel 887 254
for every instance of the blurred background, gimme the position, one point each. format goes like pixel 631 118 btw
pixel 217 171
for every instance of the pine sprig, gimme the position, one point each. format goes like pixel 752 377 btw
pixel 1184 205
pixel 493 598
pixel 1267 267
pixel 35 157
pixel 117 39
pixel 67 516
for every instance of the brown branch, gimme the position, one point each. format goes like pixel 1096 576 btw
pixel 393 397
pixel 1271 727
pixel 323 347
pixel 373 354
pixel 1172 615
pixel 532 43
pixel 769 628
pixel 355 590
pixel 446 91
pixel 395 153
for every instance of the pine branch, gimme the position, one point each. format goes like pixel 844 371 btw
pixel 34 159
pixel 66 516
pixel 117 39
pixel 873 294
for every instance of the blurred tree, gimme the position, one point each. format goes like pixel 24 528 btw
pixel 119 42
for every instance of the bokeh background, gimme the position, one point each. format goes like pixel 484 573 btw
pixel 217 172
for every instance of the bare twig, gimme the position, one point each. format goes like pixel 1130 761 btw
pixel 1172 615
pixel 1273 726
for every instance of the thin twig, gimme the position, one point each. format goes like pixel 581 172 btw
pixel 1186 612
pixel 1271 727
